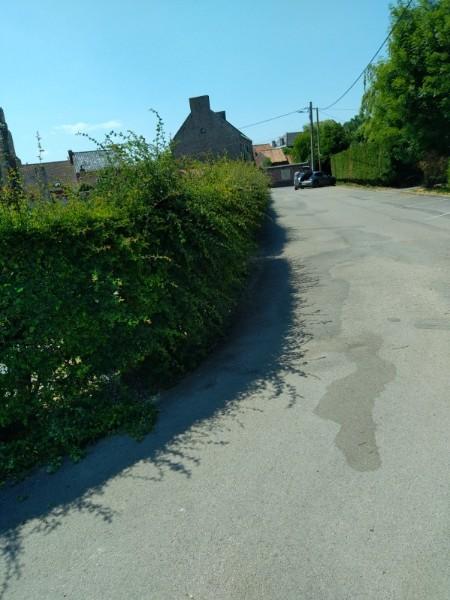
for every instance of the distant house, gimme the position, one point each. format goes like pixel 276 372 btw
pixel 274 154
pixel 278 164
pixel 52 175
pixel 88 163
pixel 266 155
pixel 208 133
pixel 287 140
pixel 81 167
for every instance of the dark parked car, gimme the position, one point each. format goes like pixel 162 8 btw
pixel 316 179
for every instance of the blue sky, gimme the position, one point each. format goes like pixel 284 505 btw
pixel 95 65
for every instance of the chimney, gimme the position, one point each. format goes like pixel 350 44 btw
pixel 70 152
pixel 199 104
pixel 221 114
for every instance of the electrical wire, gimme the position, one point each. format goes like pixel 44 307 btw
pixel 304 110
pixel 328 114
pixel 299 110
pixel 373 57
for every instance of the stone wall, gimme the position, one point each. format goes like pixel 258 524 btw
pixel 283 175
pixel 8 158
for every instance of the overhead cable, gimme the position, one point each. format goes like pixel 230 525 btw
pixel 299 110
pixel 373 57
pixel 304 110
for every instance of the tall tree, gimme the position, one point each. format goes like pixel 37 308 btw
pixel 301 147
pixel 354 129
pixel 333 139
pixel 407 105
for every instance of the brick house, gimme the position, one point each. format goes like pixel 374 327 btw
pixel 208 133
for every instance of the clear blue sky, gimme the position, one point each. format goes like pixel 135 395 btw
pixel 102 63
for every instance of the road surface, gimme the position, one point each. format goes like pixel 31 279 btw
pixel 307 459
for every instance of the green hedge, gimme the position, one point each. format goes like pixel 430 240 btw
pixel 139 278
pixel 434 169
pixel 364 163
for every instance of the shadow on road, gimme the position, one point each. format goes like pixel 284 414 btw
pixel 264 345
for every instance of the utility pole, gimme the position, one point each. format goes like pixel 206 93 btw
pixel 318 137
pixel 311 126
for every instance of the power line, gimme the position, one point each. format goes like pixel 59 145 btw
pixel 328 114
pixel 373 57
pixel 299 110
pixel 304 110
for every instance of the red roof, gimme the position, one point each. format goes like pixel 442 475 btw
pixel 275 155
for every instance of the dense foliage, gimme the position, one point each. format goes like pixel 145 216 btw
pixel 333 139
pixel 364 163
pixel 405 113
pixel 138 278
pixel 407 105
pixel 406 108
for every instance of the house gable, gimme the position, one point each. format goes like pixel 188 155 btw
pixel 208 133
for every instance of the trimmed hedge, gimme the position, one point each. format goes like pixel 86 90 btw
pixel 140 278
pixel 364 163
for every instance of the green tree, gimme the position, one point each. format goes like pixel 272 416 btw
pixel 301 147
pixel 333 139
pixel 354 129
pixel 407 105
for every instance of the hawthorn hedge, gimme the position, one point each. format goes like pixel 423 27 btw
pixel 137 279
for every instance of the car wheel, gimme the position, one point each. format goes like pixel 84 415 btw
pixel 295 187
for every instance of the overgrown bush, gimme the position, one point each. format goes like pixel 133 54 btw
pixel 139 277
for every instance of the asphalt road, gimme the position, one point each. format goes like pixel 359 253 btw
pixel 307 459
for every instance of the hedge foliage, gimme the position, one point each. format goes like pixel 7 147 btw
pixel 138 278
pixel 364 163
pixel 435 169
